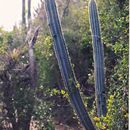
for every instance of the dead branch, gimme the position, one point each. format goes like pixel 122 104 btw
pixel 65 10
pixel 32 62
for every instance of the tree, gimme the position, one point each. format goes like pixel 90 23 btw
pixel 23 13
pixel 18 92
pixel 29 13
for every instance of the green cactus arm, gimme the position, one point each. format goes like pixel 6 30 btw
pixel 64 63
pixel 98 59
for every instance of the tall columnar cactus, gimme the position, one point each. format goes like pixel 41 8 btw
pixel 65 64
pixel 98 59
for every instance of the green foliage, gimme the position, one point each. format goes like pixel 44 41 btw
pixel 52 102
pixel 115 38
pixel 115 115
pixel 42 115
pixel 4 41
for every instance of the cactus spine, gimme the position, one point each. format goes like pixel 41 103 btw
pixel 64 63
pixel 98 59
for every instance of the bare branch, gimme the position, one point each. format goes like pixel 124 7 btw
pixel 34 38
pixel 65 10
pixel 33 71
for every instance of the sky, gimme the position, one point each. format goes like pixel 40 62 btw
pixel 10 12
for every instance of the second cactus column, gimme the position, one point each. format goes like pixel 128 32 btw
pixel 98 59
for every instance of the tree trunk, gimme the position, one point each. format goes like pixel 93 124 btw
pixel 23 13
pixel 29 13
